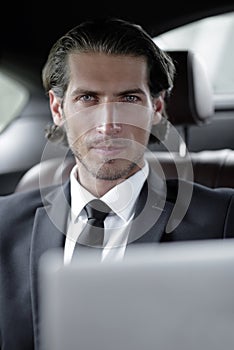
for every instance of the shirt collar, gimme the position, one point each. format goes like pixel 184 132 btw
pixel 121 198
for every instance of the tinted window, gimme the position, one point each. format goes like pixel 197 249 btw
pixel 213 39
pixel 13 97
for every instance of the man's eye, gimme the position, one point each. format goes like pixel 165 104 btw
pixel 131 98
pixel 86 98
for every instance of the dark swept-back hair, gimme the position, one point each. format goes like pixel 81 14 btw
pixel 111 36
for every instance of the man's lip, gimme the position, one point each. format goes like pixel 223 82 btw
pixel 110 144
pixel 108 150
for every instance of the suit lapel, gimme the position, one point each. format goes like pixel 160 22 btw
pixel 152 212
pixel 48 233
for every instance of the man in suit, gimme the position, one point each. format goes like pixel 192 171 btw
pixel 106 82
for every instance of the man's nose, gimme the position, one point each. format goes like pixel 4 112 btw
pixel 109 123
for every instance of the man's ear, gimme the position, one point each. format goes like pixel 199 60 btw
pixel 158 103
pixel 56 109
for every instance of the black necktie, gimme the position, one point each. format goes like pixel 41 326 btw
pixel 93 233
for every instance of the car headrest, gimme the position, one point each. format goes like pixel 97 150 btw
pixel 190 100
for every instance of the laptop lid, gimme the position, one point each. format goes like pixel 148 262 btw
pixel 161 296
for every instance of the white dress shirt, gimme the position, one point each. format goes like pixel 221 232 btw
pixel 121 199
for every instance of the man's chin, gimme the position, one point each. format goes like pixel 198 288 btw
pixel 114 169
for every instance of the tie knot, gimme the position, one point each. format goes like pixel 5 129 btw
pixel 97 209
pixel 93 233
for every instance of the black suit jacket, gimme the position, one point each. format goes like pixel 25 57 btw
pixel 35 221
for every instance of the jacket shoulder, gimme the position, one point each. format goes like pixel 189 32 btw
pixel 20 203
pixel 197 189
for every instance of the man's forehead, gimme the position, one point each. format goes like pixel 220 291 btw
pixel 101 57
pixel 126 72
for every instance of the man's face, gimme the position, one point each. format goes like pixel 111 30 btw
pixel 108 113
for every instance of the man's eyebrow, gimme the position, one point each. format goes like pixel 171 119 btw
pixel 83 92
pixel 131 91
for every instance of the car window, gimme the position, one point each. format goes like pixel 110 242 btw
pixel 213 39
pixel 13 98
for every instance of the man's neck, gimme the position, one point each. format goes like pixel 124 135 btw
pixel 98 187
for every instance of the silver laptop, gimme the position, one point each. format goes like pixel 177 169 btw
pixel 176 296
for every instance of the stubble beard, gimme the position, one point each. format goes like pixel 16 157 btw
pixel 109 169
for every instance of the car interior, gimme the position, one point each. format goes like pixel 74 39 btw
pixel 179 295
pixel 202 128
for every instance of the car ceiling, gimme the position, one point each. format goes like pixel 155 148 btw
pixel 30 29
